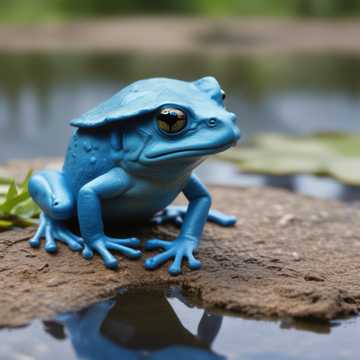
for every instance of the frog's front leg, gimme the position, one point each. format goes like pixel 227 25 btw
pixel 188 240
pixel 112 184
pixel 51 192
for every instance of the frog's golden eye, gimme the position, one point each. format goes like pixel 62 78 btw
pixel 171 120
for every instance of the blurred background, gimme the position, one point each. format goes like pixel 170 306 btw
pixel 35 10
pixel 288 67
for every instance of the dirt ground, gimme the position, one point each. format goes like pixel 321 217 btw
pixel 176 34
pixel 288 256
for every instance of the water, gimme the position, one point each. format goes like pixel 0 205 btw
pixel 163 324
pixel 40 94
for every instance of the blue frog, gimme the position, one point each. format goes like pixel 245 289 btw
pixel 127 160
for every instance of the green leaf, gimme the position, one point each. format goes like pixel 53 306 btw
pixel 5 224
pixel 327 154
pixel 3 189
pixel 16 206
pixel 26 208
pixel 5 179
pixel 25 182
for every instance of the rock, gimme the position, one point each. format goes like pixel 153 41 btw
pixel 286 219
pixel 306 269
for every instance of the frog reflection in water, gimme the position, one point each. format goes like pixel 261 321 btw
pixel 128 160
pixel 124 329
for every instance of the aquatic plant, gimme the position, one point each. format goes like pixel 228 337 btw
pixel 325 154
pixel 16 205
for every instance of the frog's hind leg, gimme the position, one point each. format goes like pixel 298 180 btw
pixel 176 214
pixel 50 191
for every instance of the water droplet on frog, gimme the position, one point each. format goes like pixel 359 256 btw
pixel 93 160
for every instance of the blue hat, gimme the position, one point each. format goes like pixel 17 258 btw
pixel 147 95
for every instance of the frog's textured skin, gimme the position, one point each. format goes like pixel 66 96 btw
pixel 121 167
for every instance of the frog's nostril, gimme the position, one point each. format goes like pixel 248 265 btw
pixel 212 122
pixel 233 118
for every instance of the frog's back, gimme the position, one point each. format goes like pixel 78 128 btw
pixel 87 157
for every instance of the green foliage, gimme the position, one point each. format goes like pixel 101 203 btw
pixel 327 154
pixel 16 205
pixel 33 10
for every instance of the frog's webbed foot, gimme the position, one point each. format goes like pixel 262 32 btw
pixel 103 244
pixel 176 215
pixel 221 219
pixel 182 247
pixel 53 231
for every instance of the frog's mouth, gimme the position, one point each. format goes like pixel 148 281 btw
pixel 207 143
pixel 188 153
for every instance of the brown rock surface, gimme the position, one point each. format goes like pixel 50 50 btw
pixel 289 255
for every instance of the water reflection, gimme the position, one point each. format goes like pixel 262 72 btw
pixel 162 324
pixel 136 326
pixel 318 327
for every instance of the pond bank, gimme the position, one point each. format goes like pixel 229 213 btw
pixel 185 34
pixel 288 256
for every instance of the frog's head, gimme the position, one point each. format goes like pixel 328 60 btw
pixel 167 119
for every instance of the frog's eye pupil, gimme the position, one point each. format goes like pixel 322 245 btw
pixel 171 120
pixel 223 95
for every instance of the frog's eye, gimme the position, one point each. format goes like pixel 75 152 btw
pixel 171 120
pixel 223 95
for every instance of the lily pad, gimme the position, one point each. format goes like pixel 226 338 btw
pixel 325 154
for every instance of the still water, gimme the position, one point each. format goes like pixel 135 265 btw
pixel 164 325
pixel 39 94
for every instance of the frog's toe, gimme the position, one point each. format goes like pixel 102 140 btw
pixel 157 243
pixel 35 241
pixel 74 246
pixel 194 264
pixel 74 242
pixel 122 246
pixel 175 268
pixel 157 260
pixel 45 230
pixel 129 252
pixel 111 263
pixel 109 260
pixel 50 244
pixel 126 242
pixel 87 252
